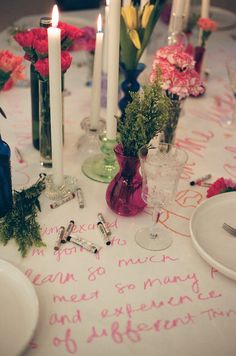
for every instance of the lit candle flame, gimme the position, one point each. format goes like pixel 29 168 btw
pixel 55 16
pixel 99 23
pixel 107 2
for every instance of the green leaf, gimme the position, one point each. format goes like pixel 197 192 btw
pixel 20 222
pixel 128 50
pixel 151 25
pixel 4 76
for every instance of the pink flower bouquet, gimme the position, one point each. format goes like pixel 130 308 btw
pixel 86 42
pixel 35 44
pixel 207 26
pixel 175 68
pixel 221 185
pixel 11 69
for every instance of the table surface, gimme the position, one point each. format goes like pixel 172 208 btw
pixel 127 300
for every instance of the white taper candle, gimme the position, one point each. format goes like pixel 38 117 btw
pixel 205 8
pixel 106 33
pixel 97 74
pixel 179 7
pixel 54 58
pixel 171 22
pixel 113 68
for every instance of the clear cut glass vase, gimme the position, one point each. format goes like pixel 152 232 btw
pixel 45 144
pixel 169 132
pixel 123 193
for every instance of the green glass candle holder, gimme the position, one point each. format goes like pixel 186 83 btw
pixel 102 167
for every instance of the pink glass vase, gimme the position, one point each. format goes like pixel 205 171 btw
pixel 123 194
pixel 198 56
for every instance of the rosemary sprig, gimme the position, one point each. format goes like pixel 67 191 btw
pixel 20 222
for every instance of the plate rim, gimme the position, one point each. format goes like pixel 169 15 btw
pixel 208 258
pixel 12 268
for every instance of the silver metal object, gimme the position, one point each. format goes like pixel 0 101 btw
pixel 80 197
pixel 68 231
pixel 64 200
pixel 105 236
pixel 103 221
pixel 87 245
pixel 231 230
pixel 59 238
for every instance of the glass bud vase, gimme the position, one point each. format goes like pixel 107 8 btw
pixel 45 145
pixel 5 178
pixel 199 56
pixel 129 84
pixel 123 193
pixel 168 134
pixel 34 91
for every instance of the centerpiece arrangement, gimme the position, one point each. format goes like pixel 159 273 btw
pixel 174 69
pixel 35 44
pixel 145 116
pixel 136 27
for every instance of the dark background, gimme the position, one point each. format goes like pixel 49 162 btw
pixel 11 10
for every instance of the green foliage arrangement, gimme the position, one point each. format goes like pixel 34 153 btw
pixel 145 116
pixel 20 222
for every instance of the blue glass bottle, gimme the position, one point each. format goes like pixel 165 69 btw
pixel 5 177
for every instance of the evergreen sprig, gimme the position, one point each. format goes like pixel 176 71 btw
pixel 145 116
pixel 20 222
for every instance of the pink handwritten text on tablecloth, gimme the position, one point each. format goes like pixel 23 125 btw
pixel 39 279
pixel 197 143
pixel 53 230
pixel 128 309
pixel 148 259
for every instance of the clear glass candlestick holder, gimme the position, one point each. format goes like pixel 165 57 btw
pixel 161 167
pixel 102 167
pixel 58 192
pixel 89 143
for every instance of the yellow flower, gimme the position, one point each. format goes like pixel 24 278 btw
pixel 133 34
pixel 146 14
pixel 129 14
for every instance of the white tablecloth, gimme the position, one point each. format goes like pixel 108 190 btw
pixel 127 300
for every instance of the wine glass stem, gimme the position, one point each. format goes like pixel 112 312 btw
pixel 155 218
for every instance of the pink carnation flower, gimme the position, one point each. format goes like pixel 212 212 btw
pixel 25 39
pixel 178 76
pixel 221 185
pixel 41 47
pixel 207 24
pixel 42 65
pixel 87 41
pixel 176 55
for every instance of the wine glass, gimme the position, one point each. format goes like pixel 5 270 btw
pixel 231 71
pixel 161 167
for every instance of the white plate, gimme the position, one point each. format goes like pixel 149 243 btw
pixel 213 243
pixel 19 310
pixel 225 18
